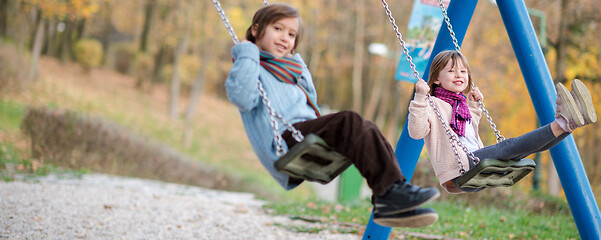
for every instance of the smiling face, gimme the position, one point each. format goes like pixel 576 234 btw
pixel 453 77
pixel 279 37
pixel 451 71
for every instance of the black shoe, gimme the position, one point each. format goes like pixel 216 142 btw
pixel 416 218
pixel 402 197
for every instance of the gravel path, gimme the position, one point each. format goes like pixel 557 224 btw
pixel 98 206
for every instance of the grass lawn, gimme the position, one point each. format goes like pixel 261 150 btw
pixel 456 220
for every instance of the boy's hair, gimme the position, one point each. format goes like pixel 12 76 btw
pixel 440 61
pixel 270 14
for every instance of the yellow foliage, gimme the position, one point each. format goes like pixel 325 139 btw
pixel 75 9
pixel 187 70
pixel 143 65
pixel 239 20
pixel 88 52
pixel 584 64
pixel 123 19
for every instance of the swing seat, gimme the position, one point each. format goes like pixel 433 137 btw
pixel 313 160
pixel 496 173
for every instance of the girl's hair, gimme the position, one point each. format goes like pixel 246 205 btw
pixel 440 61
pixel 270 14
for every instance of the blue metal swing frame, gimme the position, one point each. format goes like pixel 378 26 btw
pixel 539 82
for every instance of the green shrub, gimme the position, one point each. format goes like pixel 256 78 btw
pixel 123 54
pixel 189 66
pixel 76 141
pixel 188 69
pixel 13 69
pixel 88 52
pixel 166 73
pixel 143 67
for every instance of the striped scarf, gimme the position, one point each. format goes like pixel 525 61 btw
pixel 286 70
pixel 461 112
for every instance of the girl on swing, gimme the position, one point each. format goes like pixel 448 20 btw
pixel 449 82
pixel 267 55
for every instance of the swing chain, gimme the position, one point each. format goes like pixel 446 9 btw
pixel 498 135
pixel 265 2
pixel 493 126
pixel 225 21
pixel 452 137
pixel 449 26
pixel 298 136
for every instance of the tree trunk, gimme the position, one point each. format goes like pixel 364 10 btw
pixel 38 20
pixel 3 17
pixel 553 179
pixel 47 40
pixel 19 32
pixel 106 32
pixel 37 50
pixel 359 49
pixel 148 12
pixel 66 43
pixel 196 91
pixel 384 107
pixel 395 124
pixel 81 26
pixel 175 80
pixel 376 91
pixel 562 43
pixel 195 94
pixel 560 69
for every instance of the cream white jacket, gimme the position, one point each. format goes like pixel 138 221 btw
pixel 424 123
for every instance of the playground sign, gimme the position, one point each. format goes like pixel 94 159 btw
pixel 424 24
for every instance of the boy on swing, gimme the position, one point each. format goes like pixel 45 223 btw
pixel 266 55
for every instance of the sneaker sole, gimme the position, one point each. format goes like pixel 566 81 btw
pixel 410 208
pixel 417 221
pixel 564 94
pixel 586 101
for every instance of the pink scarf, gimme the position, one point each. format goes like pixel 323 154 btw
pixel 461 112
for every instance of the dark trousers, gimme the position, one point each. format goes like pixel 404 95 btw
pixel 360 141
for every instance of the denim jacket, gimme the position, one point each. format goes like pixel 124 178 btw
pixel 286 99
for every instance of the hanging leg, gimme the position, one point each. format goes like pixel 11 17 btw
pixel 358 140
pixel 538 140
pixel 395 201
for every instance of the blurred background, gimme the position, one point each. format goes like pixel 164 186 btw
pixel 137 87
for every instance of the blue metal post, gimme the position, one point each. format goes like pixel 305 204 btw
pixel 408 149
pixel 542 92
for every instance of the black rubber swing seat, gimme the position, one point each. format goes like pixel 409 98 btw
pixel 496 173
pixel 313 160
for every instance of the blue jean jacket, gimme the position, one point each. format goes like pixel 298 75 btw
pixel 286 99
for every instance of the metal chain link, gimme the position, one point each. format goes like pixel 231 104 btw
pixel 498 135
pixel 298 136
pixel 273 116
pixel 452 137
pixel 225 21
pixel 449 26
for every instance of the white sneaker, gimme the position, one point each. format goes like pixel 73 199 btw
pixel 567 108
pixel 584 101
